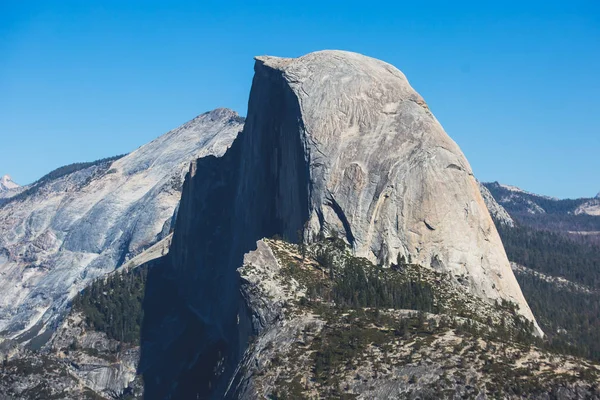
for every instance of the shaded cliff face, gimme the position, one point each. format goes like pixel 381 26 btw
pixel 259 188
pixel 333 142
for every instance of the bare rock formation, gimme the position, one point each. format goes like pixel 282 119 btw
pixel 383 171
pixel 496 210
pixel 333 142
pixel 77 224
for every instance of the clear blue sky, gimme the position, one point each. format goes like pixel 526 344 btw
pixel 515 83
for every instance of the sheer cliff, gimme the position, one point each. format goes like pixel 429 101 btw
pixel 335 143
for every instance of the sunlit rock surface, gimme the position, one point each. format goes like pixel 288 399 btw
pixel 58 236
pixel 333 142
pixel 383 171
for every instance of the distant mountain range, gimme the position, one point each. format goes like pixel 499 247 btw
pixel 519 201
pixel 576 218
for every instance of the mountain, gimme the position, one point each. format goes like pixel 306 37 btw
pixel 6 183
pixel 576 218
pixel 336 144
pixel 590 207
pixel 8 188
pixel 84 220
pixel 339 248
pixel 519 201
pixel 498 213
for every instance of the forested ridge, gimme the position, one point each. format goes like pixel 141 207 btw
pixel 545 243
pixel 521 201
pixel 552 253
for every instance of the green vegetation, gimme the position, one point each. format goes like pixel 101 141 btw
pixel 114 305
pixel 353 282
pixel 571 319
pixel 356 283
pixel 552 254
pixel 363 345
pixel 374 287
pixel 544 242
pixel 336 282
pixel 350 333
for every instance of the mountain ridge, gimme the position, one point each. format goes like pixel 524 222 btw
pixel 87 219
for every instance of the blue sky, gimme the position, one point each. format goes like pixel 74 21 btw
pixel 516 85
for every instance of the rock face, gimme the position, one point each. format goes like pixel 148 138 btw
pixel 97 361
pixel 590 207
pixel 333 142
pixel 60 234
pixel 80 363
pixel 384 173
pixel 496 210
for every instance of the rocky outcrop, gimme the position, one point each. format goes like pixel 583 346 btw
pixel 590 207
pixel 74 226
pixel 105 366
pixel 303 350
pixel 334 143
pixel 80 363
pixel 384 173
pixel 498 213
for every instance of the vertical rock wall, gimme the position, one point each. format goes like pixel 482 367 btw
pixel 333 141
